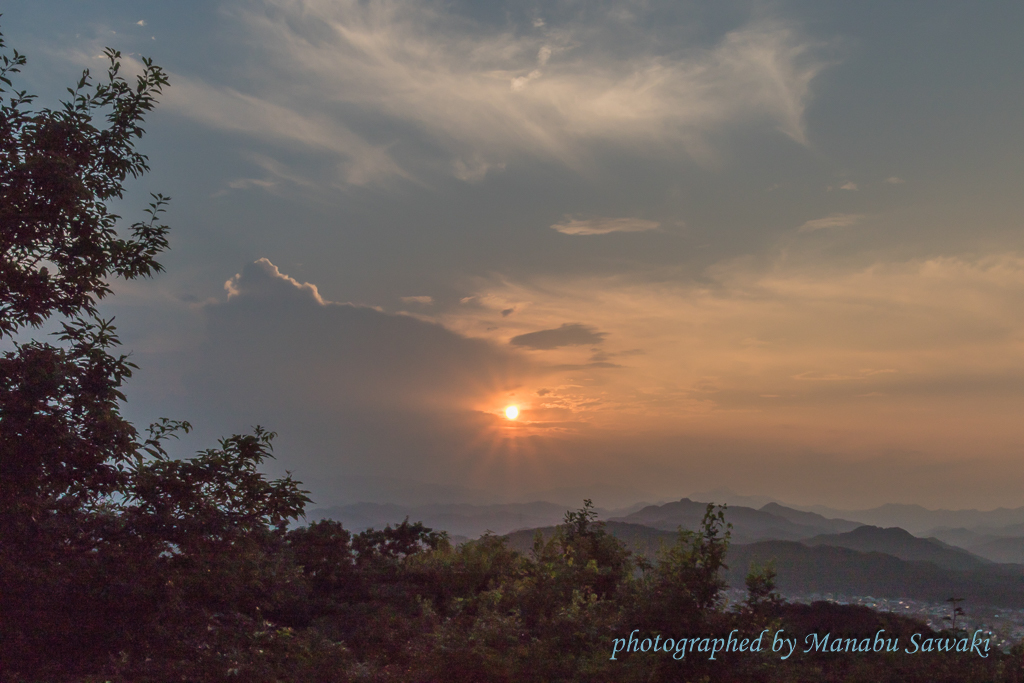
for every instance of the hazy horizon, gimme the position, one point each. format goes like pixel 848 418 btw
pixel 418 495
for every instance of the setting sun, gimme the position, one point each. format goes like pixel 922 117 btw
pixel 512 412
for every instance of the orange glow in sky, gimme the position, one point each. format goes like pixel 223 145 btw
pixel 512 412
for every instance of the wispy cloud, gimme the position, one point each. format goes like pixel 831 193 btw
pixel 849 185
pixel 416 75
pixel 279 124
pixel 813 376
pixel 836 220
pixel 603 226
pixel 893 180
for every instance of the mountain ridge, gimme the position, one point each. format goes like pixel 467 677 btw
pixel 902 544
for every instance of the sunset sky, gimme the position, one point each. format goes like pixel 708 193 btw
pixel 775 247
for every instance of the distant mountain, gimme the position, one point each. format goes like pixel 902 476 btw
pixel 811 519
pixel 639 539
pixel 1001 550
pixel 803 569
pixel 749 525
pixel 902 544
pixel 1008 530
pixel 994 535
pixel 999 544
pixel 457 518
pixel 917 519
pixel 728 497
pixel 960 537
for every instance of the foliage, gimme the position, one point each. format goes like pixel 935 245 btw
pixel 213 498
pixel 687 578
pixel 762 598
pixel 58 170
pixel 109 550
pixel 63 440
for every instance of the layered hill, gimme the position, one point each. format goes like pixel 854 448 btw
pixel 803 569
pixel 773 521
pixel 1005 544
pixel 917 519
pixel 884 563
pixel 812 553
pixel 807 569
pixel 903 545
pixel 810 519
pixel 1000 549
pixel 458 519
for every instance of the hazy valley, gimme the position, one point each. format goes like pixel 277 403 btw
pixel 889 553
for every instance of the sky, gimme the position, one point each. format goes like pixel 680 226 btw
pixel 769 246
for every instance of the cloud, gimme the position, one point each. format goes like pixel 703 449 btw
pixel 848 185
pixel 813 376
pixel 895 181
pixel 474 169
pixel 836 220
pixel 421 300
pixel 355 391
pixel 585 366
pixel 140 22
pixel 938 337
pixel 519 82
pixel 245 184
pixel 262 279
pixel 604 226
pixel 350 388
pixel 278 176
pixel 276 326
pixel 224 108
pixel 403 89
pixel 568 334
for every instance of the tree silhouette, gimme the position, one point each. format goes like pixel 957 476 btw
pixel 955 611
pixel 109 549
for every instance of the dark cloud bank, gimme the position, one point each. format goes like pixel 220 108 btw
pixel 568 334
pixel 354 392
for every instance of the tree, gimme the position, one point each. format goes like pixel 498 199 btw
pixel 955 611
pixel 109 549
pixel 688 577
pixel 681 596
pixel 763 601
pixel 61 433
pixel 59 242
pixel 64 447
